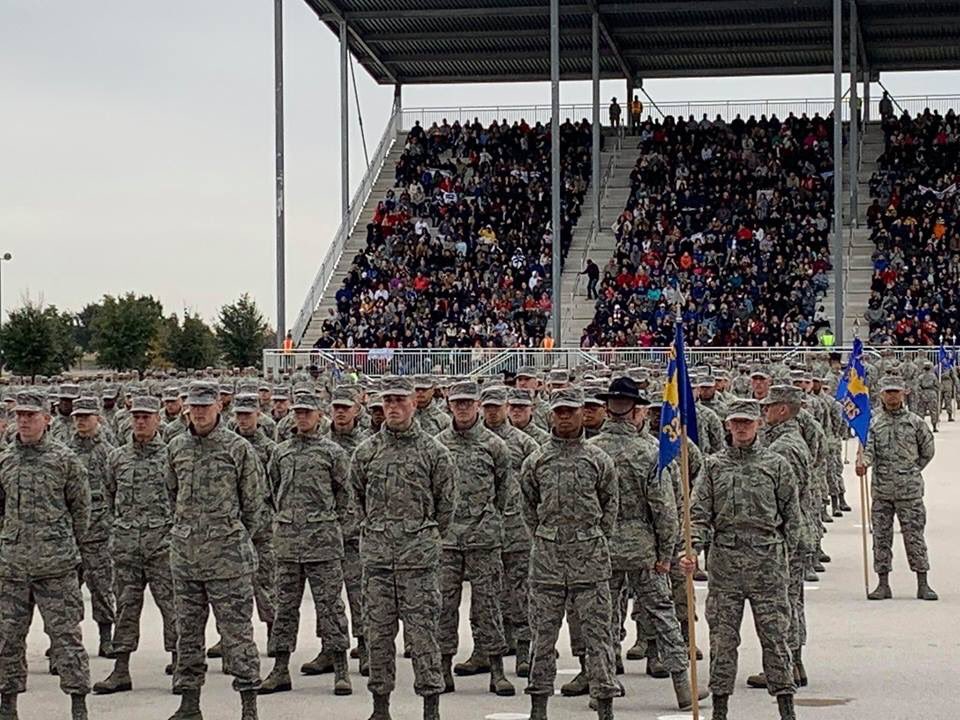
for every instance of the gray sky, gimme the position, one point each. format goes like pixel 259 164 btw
pixel 137 145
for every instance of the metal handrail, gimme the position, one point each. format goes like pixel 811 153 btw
pixel 594 230
pixel 335 251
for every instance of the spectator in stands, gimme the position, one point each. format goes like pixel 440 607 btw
pixel 727 225
pixel 614 113
pixel 593 277
pixel 886 106
pixel 636 115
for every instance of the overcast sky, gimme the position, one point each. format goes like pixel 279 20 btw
pixel 137 145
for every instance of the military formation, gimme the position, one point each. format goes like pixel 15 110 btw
pixel 223 491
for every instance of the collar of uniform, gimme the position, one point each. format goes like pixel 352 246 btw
pixel 567 442
pixel 406 434
pixel 899 411
pixel 614 425
pixel 348 433
pixel 772 432
pixel 501 429
pixel 744 451
pixel 153 444
pixel 42 444
pixel 472 431
pixel 215 432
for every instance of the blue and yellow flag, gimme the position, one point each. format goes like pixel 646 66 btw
pixel 678 405
pixel 945 358
pixel 853 394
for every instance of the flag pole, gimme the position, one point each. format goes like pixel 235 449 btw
pixel 688 577
pixel 864 514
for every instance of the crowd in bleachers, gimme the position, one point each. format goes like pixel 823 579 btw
pixel 459 253
pixel 915 216
pixel 732 220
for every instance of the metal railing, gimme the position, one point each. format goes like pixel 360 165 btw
pixel 594 230
pixel 489 362
pixel 357 204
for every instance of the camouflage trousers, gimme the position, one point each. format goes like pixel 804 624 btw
pixel 798 620
pixel 516 599
pixel 946 401
pixel 483 569
pixel 326 581
pixel 265 579
pixel 835 467
pixel 353 579
pixel 654 608
pixel 96 570
pixel 61 607
pixel 413 596
pixel 929 407
pixel 592 605
pixel 741 575
pixel 232 604
pixel 129 581
pixel 912 515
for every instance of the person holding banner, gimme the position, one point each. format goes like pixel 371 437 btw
pixel 899 447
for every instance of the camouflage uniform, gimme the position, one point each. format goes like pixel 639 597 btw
pixel 570 502
pixel 948 389
pixel 929 401
pixel 219 507
pixel 46 507
pixel 710 429
pixel 433 419
pixel 748 497
pixel 899 447
pixel 404 482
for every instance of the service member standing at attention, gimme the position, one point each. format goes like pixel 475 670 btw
pixel 215 476
pixel 429 414
pixel 45 503
pixel 899 447
pixel 405 485
pixel 309 474
pixel 570 502
pixel 141 507
pixel 472 544
pixel 520 409
pixel 748 497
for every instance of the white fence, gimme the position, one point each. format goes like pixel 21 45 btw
pixel 483 362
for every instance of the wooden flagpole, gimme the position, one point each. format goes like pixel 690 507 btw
pixel 864 512
pixel 688 577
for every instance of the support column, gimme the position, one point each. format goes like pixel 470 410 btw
pixel 626 106
pixel 866 95
pixel 278 152
pixel 836 256
pixel 854 145
pixel 555 163
pixel 595 78
pixel 344 128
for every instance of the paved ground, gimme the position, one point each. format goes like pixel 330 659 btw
pixel 889 660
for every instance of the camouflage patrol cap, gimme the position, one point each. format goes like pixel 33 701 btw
pixel 30 401
pixel 566 397
pixel 424 382
pixel 203 392
pixel 892 382
pixel 705 381
pixel 759 372
pixel 246 403
pixel 527 371
pixel 345 396
pixel 783 394
pixel 280 392
pixel 375 400
pixel 494 395
pixel 721 375
pixel 145 404
pixel 396 385
pixel 69 391
pixel 247 387
pixel 519 396
pixel 464 390
pixel 591 393
pixel 639 374
pixel 306 401
pixel 743 410
pixel 110 392
pixel 264 386
pixel 558 375
pixel 86 406
pixel 226 388
pixel 170 393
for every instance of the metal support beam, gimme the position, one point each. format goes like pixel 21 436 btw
pixel 853 151
pixel 326 11
pixel 344 127
pixel 557 305
pixel 626 106
pixel 595 80
pixel 278 153
pixel 610 40
pixel 836 256
pixel 865 73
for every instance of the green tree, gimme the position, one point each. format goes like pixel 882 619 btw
pixel 82 327
pixel 242 333
pixel 123 329
pixel 191 344
pixel 38 341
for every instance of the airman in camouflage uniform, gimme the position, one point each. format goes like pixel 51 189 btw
pixel 899 447
pixel 520 408
pixel 948 389
pixel 929 401
pixel 88 441
pixel 309 475
pixel 748 497
pixel 141 509
pixel 45 500
pixel 430 415
pixel 219 506
pixel 405 485
pixel 741 385
pixel 594 409
pixel 529 379
pixel 61 428
pixel 473 542
pixel 571 497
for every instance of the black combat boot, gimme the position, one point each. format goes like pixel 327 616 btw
pixel 78 707
pixel 248 705
pixel 381 707
pixel 431 707
pixel 685 630
pixel 924 591
pixel 279 678
pixel 655 668
pixel 189 706
pixel 216 651
pixel 499 684
pixel 882 591
pixel 799 671
pixel 538 707
pixel 364 657
pixel 523 658
pixel 618 662
pixel 449 685
pixel 8 706
pixel 639 649
pixel 758 681
pixel 835 505
pixel 271 642
pixel 720 706
pixel 118 680
pixel 341 674
pixel 580 685
pixel 105 648
pixel 843 503
pixel 785 706
pixel 173 664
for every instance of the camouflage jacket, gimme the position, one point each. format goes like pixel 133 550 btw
pixel 539 435
pixel 570 503
pixel 61 428
pixel 516 536
pixel 93 453
pixel 264 447
pixel 175 428
pixel 816 440
pixel 433 419
pixel 140 501
pixel 310 477
pixel 541 415
pixel 220 505
pixel 710 430
pixel 646 530
pixel 748 497
pixel 45 500
pixel 287 427
pixel 264 423
pixel 405 487
pixel 929 385
pixel 899 447
pixel 741 386
pixel 350 441
pixel 484 483
pixel 787 442
pixel 719 407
